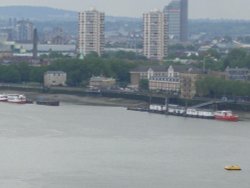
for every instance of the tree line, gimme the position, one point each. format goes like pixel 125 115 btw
pixel 217 88
pixel 78 71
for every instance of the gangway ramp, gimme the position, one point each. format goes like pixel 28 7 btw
pixel 207 104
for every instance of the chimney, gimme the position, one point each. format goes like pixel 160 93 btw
pixel 35 42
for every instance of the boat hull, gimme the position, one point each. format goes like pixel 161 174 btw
pixel 16 99
pixel 17 102
pixel 48 103
pixel 232 168
pixel 227 118
pixel 226 115
pixel 3 98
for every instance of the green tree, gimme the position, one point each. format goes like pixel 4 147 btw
pixel 11 74
pixel 236 58
pixel 217 87
pixel 144 85
pixel 74 78
pixel 24 70
pixel 37 73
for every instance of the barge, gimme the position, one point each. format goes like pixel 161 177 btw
pixel 47 101
pixel 188 112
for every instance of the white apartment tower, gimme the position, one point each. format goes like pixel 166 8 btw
pixel 91 32
pixel 155 35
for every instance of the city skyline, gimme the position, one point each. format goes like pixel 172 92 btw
pixel 223 9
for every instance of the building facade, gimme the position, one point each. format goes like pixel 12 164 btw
pixel 145 73
pixel 175 80
pixel 240 74
pixel 24 31
pixel 155 37
pixel 100 82
pixel 160 78
pixel 184 20
pixel 188 84
pixel 91 32
pixel 166 84
pixel 55 78
pixel 177 18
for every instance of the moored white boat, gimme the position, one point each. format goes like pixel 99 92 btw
pixel 3 98
pixel 200 113
pixel 16 98
pixel 157 108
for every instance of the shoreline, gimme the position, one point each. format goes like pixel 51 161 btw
pixel 81 100
pixel 95 100
pixel 113 98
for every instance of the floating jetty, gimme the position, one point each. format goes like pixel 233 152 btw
pixel 139 109
pixel 181 111
pixel 178 111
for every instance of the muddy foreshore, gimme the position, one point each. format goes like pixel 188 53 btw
pixel 96 101
pixel 81 100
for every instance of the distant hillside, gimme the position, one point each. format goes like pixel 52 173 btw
pixel 36 13
pixel 47 14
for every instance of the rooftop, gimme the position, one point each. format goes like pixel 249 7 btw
pixel 163 68
pixel 55 72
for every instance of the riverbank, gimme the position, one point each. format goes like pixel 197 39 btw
pixel 97 101
pixel 119 98
pixel 81 100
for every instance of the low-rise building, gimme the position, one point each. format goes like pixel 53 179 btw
pixel 5 50
pixel 240 74
pixel 55 78
pixel 173 79
pixel 188 83
pixel 168 84
pixel 5 54
pixel 217 74
pixel 101 82
pixel 147 72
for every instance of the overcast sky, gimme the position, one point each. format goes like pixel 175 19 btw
pixel 228 9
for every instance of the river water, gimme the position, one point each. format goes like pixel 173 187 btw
pixel 75 146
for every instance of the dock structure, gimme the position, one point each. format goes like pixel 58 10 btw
pixel 181 111
pixel 214 102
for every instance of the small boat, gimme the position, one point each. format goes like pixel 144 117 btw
pixel 232 167
pixel 47 101
pixel 226 116
pixel 16 98
pixel 3 98
pixel 139 109
pixel 159 109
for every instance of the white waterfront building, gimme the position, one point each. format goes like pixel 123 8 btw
pixel 55 78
